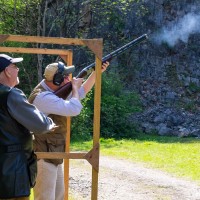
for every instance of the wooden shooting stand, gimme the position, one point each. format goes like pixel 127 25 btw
pixel 95 45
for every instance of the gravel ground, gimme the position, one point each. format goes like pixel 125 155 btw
pixel 124 180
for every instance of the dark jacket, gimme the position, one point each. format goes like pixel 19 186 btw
pixel 18 166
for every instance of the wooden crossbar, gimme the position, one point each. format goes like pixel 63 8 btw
pixel 34 50
pixel 92 156
pixel 93 44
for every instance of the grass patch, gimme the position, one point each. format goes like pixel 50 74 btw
pixel 179 156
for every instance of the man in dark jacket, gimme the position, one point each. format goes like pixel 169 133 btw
pixel 18 163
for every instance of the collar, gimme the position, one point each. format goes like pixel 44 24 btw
pixel 44 85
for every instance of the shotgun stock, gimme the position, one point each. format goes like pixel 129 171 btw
pixel 64 91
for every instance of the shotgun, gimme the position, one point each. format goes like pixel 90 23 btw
pixel 66 89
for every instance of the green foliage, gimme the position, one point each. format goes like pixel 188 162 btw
pixel 116 106
pixel 28 73
pixel 47 18
pixel 27 69
pixel 194 87
pixel 67 19
pixel 190 106
pixel 114 14
pixel 82 124
pixel 18 17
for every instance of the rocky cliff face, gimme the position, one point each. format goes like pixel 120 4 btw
pixel 165 70
pixel 168 66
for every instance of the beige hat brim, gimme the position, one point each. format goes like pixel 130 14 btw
pixel 52 68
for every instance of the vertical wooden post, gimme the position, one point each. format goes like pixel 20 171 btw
pixel 96 130
pixel 68 60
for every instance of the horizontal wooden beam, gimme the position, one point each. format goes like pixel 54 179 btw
pixel 94 45
pixel 60 155
pixel 47 40
pixel 92 156
pixel 35 50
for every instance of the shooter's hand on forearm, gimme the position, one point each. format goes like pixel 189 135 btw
pixel 76 84
pixel 88 84
pixel 104 66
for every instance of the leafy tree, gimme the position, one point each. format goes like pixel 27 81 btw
pixel 83 19
pixel 117 105
pixel 67 18
pixel 18 16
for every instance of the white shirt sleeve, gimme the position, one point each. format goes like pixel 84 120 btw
pixel 49 103
pixel 81 93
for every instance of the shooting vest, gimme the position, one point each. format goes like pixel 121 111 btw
pixel 53 141
pixel 18 163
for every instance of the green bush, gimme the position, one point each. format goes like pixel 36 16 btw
pixel 116 106
pixel 82 125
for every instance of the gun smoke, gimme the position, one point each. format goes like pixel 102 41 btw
pixel 181 29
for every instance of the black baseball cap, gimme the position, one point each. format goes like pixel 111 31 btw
pixel 6 60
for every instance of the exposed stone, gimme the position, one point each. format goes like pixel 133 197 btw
pixel 168 76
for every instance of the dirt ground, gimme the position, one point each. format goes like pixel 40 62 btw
pixel 124 180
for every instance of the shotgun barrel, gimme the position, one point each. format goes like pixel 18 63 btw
pixel 65 90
